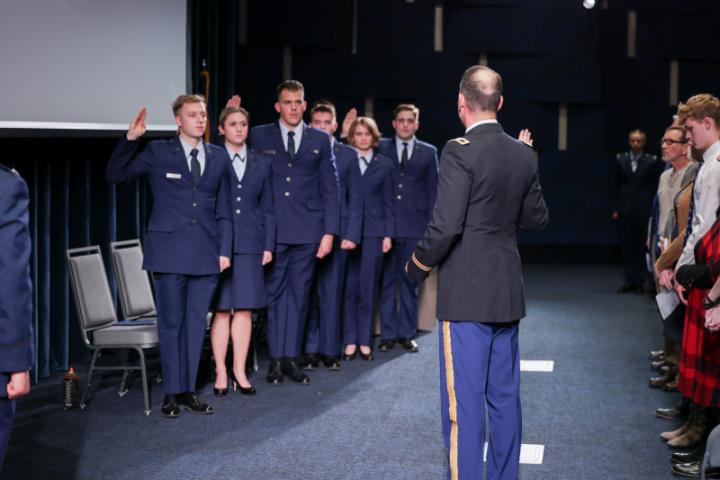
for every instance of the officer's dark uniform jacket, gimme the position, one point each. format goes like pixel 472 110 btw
pixel 488 187
pixel 634 191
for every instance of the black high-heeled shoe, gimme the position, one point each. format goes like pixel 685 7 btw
pixel 366 356
pixel 243 390
pixel 351 356
pixel 220 392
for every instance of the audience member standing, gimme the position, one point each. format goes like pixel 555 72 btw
pixel 674 150
pixel 306 193
pixel 635 181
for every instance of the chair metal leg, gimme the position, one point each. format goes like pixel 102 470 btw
pixel 123 389
pixel 86 392
pixel 143 373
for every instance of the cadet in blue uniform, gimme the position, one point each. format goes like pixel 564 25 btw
pixel 16 340
pixel 305 187
pixel 188 238
pixel 242 286
pixel 416 174
pixel 488 188
pixel 325 315
pixel 365 264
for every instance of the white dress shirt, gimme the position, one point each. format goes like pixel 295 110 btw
pixel 187 148
pixel 239 160
pixel 399 146
pixel 284 129
pixel 706 195
pixel 362 164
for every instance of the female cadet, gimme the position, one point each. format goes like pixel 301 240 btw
pixel 242 287
pixel 365 262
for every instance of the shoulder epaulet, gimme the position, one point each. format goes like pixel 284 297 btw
pixel 460 140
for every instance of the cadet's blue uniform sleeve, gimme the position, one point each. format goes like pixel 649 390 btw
pixel 223 215
pixel 329 188
pixel 16 341
pixel 126 164
pixel 389 204
pixel 268 206
pixel 431 180
pixel 355 205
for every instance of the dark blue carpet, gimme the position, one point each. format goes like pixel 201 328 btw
pixel 594 413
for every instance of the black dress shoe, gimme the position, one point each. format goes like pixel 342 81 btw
pixel 331 362
pixel 309 362
pixel 695 455
pixel 291 370
pixel 408 345
pixel 681 410
pixel 694 469
pixel 170 408
pixel 190 401
pixel 274 375
pixel 386 345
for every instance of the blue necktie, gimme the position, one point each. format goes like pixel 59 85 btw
pixel 195 166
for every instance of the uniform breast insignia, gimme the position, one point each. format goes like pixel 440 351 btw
pixel 460 140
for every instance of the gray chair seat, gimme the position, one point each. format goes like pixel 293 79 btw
pixel 126 335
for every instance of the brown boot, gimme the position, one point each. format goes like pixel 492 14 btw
pixel 694 435
pixel 668 376
pixel 684 428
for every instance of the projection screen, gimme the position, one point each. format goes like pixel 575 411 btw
pixel 91 64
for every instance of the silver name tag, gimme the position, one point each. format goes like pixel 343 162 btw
pixel 174 176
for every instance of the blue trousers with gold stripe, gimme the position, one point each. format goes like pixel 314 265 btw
pixel 479 367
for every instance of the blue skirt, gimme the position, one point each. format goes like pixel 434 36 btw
pixel 242 286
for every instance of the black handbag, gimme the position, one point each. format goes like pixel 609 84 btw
pixel 694 276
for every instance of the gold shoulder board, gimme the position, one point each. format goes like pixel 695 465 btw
pixel 461 140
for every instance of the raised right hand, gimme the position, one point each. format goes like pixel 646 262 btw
pixel 138 125
pixel 234 101
pixel 350 117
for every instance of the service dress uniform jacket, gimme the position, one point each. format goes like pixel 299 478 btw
pixel 242 286
pixel 190 226
pixel 488 188
pixel 16 338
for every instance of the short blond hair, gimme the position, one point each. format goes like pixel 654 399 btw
pixel 368 123
pixel 183 99
pixel 698 107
